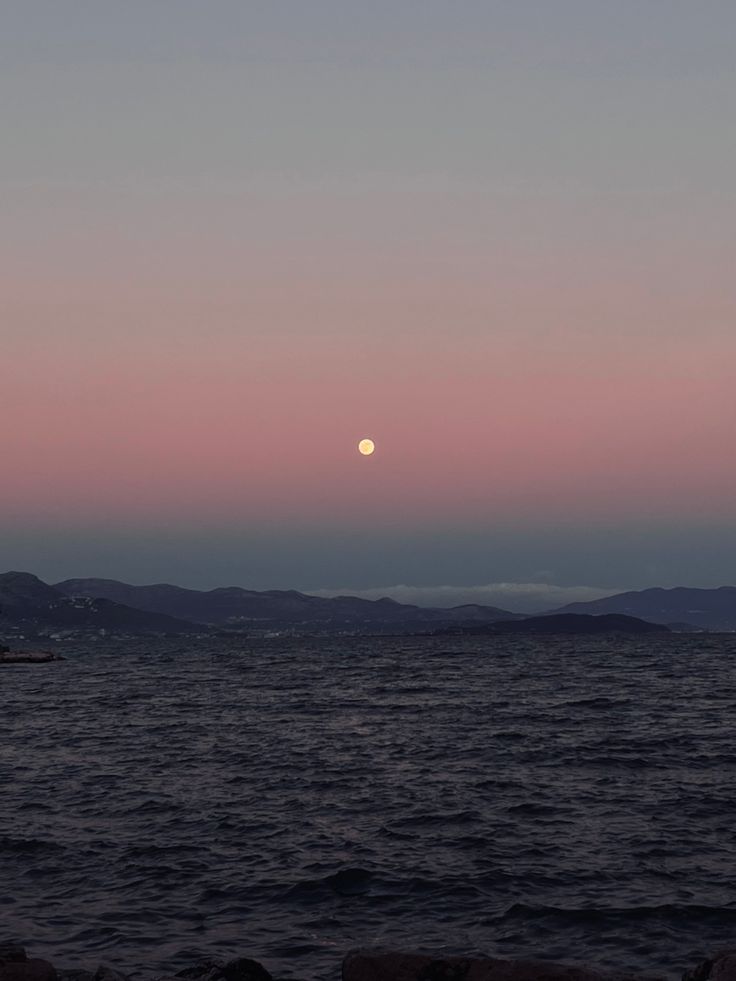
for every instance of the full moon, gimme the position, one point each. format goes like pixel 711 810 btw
pixel 366 447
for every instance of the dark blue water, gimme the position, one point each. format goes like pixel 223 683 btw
pixel 291 800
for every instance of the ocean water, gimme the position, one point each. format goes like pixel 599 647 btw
pixel 291 800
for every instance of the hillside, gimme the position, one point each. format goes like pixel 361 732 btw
pixel 581 623
pixel 30 606
pixel 234 606
pixel 709 609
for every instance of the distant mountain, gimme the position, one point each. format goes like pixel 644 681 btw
pixel 708 609
pixel 563 623
pixel 581 623
pixel 112 606
pixel 19 590
pixel 274 609
pixel 28 605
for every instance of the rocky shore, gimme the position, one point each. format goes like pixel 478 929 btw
pixel 369 965
pixel 27 657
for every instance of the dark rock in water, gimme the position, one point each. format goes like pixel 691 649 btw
pixel 394 966
pixel 74 974
pixel 105 973
pixel 29 969
pixel 722 967
pixel 239 969
pixel 28 657
pixel 699 973
pixel 15 965
pixel 440 970
pixel 244 969
pixel 205 969
pixel 373 965
pixel 12 953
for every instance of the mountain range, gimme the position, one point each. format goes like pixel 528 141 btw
pixel 706 609
pixel 233 606
pixel 29 605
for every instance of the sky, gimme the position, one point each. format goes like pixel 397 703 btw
pixel 495 237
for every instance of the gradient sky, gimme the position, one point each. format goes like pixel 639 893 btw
pixel 496 237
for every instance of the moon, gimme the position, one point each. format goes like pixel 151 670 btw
pixel 366 447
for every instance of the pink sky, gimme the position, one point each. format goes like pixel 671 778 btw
pixel 499 386
pixel 496 238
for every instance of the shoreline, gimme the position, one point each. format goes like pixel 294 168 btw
pixel 373 965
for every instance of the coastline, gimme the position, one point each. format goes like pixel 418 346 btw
pixel 372 965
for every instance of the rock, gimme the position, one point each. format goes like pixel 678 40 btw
pixel 28 657
pixel 29 969
pixel 395 966
pixel 12 953
pixel 699 973
pixel 74 974
pixel 239 969
pixel 105 973
pixel 721 967
pixel 205 969
pixel 244 969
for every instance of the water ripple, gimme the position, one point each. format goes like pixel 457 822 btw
pixel 289 800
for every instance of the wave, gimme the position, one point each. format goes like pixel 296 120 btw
pixel 28 846
pixel 692 913
pixel 266 793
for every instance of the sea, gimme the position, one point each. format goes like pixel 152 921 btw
pixel 167 801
